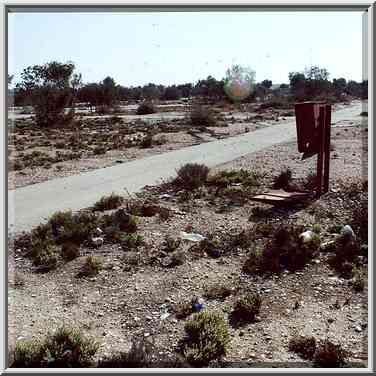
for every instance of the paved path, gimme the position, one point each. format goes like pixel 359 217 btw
pixel 28 206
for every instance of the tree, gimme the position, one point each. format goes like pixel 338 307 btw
pixel 267 84
pixel 92 94
pixel 297 84
pixel 50 91
pixel 339 87
pixel 151 91
pixel 171 93
pixel 108 88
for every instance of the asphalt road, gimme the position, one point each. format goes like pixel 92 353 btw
pixel 30 205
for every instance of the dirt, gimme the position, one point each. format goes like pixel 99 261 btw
pixel 123 302
pixel 71 151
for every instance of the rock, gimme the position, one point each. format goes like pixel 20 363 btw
pixel 97 242
pixel 149 318
pixel 358 328
pixel 348 231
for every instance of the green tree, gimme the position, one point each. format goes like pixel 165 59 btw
pixel 50 91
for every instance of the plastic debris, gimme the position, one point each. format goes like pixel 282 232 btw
pixel 198 304
pixel 307 236
pixel 348 231
pixel 97 242
pixel 192 237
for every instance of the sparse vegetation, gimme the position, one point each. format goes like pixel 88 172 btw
pixel 92 266
pixel 207 338
pixel 192 176
pixel 146 108
pixel 247 307
pixel 131 241
pixel 329 355
pixel 304 346
pixel 66 347
pixel 109 202
pixel 69 251
pixel 283 180
pixel 202 116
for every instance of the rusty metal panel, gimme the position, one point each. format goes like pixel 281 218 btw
pixel 307 126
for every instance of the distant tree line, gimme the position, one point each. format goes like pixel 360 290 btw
pixel 52 87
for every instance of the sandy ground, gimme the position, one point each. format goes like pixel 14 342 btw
pixel 124 301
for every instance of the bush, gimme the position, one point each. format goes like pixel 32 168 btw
pixel 207 338
pixel 147 141
pixel 70 251
pixel 358 282
pixel 99 150
pixel 329 355
pixel 283 180
pixel 247 307
pixel 75 228
pixel 218 291
pixel 125 221
pixel 202 116
pixel 108 202
pixel 93 265
pixel 183 310
pixel 146 108
pixel 131 241
pixel 304 346
pixel 192 176
pixel 67 347
pixel 225 178
pixel 285 250
pixel 171 244
pixel 27 354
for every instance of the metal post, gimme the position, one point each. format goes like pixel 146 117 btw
pixel 328 120
pixel 320 156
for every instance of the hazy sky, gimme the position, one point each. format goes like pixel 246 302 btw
pixel 168 48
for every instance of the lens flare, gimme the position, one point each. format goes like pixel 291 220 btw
pixel 239 82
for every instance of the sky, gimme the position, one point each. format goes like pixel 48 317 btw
pixel 173 48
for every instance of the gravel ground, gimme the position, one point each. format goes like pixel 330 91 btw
pixel 124 301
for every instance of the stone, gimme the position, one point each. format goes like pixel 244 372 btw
pixel 97 242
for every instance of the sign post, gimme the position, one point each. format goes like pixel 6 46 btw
pixel 313 121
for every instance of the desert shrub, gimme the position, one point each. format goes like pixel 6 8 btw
pixel 258 213
pixel 108 202
pixel 283 180
pixel 202 116
pixel 44 253
pixel 125 221
pixel 147 141
pixel 287 249
pixel 164 214
pixel 99 150
pixel 226 178
pixel 183 310
pixel 218 291
pixel 247 307
pixel 358 282
pixel 113 234
pixel 192 176
pixel 359 220
pixel 171 244
pixel 131 241
pixel 347 249
pixel 146 108
pixel 207 338
pixel 92 266
pixel 329 355
pixel 27 354
pixel 304 346
pixel 316 228
pixel 75 228
pixel 70 251
pixel 66 347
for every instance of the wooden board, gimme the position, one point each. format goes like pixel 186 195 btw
pixel 280 197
